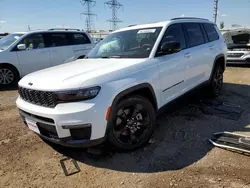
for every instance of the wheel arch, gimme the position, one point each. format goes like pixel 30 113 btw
pixel 144 90
pixel 221 60
pixel 12 66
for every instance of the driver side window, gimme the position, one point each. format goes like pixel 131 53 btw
pixel 32 42
pixel 174 33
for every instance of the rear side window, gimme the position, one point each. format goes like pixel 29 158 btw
pixel 194 34
pixel 211 32
pixel 58 39
pixel 80 38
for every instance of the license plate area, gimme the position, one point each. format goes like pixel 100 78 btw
pixel 32 125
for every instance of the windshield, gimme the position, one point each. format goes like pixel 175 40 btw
pixel 5 42
pixel 136 43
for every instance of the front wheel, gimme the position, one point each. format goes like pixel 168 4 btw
pixel 132 123
pixel 8 76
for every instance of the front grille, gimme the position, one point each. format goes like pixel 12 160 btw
pixel 41 98
pixel 235 54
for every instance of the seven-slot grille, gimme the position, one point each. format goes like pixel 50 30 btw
pixel 41 98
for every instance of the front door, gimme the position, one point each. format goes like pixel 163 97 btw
pixel 173 72
pixel 36 55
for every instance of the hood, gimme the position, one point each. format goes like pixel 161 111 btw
pixel 237 37
pixel 80 73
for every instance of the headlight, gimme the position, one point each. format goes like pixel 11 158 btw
pixel 78 95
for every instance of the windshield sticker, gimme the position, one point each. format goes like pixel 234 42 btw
pixel 146 31
pixel 16 37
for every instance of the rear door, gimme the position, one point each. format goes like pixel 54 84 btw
pixel 213 46
pixel 36 55
pixel 198 55
pixel 81 44
pixel 59 48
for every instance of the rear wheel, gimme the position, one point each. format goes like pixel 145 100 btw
pixel 216 81
pixel 132 123
pixel 8 76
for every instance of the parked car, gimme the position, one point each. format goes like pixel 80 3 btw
pixel 23 53
pixel 238 43
pixel 115 92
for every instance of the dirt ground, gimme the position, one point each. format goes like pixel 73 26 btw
pixel 178 155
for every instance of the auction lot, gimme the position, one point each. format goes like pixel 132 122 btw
pixel 179 155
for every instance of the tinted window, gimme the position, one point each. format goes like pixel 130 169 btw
pixel 58 39
pixel 80 38
pixel 175 33
pixel 35 41
pixel 211 32
pixel 194 34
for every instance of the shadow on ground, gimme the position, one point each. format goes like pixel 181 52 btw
pixel 181 137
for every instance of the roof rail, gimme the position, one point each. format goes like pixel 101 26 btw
pixel 132 25
pixel 180 18
pixel 66 29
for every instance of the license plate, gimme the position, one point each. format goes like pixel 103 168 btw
pixel 32 125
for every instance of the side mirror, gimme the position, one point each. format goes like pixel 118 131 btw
pixel 21 47
pixel 170 47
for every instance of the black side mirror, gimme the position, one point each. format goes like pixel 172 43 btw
pixel 170 47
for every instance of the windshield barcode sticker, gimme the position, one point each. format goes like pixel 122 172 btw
pixel 146 31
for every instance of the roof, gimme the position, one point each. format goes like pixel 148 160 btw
pixel 50 31
pixel 164 23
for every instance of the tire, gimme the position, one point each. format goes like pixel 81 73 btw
pixel 127 134
pixel 8 76
pixel 216 82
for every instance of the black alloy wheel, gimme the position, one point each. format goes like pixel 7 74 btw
pixel 133 123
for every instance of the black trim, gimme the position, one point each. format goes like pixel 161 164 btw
pixel 133 89
pixel 76 126
pixel 173 86
pixel 68 142
pixel 162 109
pixel 216 58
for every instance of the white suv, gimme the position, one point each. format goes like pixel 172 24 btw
pixel 23 53
pixel 115 92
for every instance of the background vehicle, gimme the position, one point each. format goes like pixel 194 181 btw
pixel 238 44
pixel 23 53
pixel 117 90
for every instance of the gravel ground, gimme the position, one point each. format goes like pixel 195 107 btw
pixel 178 155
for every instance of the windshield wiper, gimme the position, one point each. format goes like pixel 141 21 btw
pixel 108 57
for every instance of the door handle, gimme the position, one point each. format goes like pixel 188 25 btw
pixel 187 55
pixel 211 47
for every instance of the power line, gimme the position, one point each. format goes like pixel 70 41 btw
pixel 88 13
pixel 114 5
pixel 215 10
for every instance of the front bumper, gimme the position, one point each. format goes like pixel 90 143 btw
pixel 78 124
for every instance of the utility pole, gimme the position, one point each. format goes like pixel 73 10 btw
pixel 215 10
pixel 29 28
pixel 114 5
pixel 88 13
